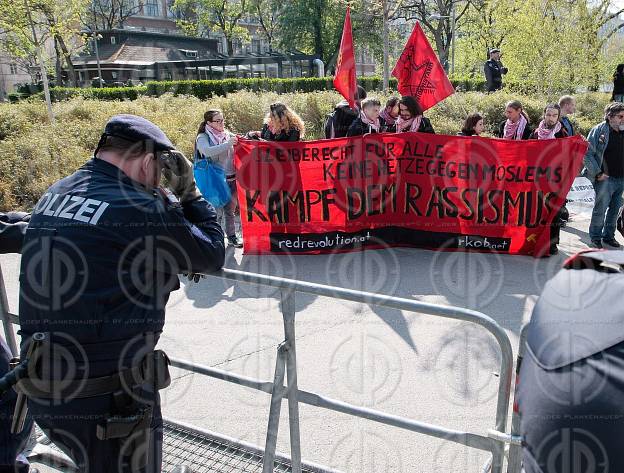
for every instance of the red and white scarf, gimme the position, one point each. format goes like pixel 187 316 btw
pixel 216 136
pixel 413 124
pixel 389 119
pixel 544 133
pixel 374 125
pixel 514 131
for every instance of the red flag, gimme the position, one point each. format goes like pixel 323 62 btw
pixel 344 80
pixel 420 73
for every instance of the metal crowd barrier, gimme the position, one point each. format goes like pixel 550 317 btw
pixel 494 441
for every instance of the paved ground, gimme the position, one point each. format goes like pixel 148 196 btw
pixel 406 364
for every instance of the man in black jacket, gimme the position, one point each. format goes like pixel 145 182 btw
pixel 101 256
pixel 340 120
pixel 494 70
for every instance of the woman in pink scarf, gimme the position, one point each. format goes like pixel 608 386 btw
pixel 216 144
pixel 369 120
pixel 517 126
pixel 411 117
pixel 550 127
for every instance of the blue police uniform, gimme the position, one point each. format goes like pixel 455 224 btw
pixel 571 380
pixel 101 256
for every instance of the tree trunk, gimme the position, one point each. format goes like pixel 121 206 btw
pixel 319 50
pixel 230 45
pixel 386 47
pixel 71 71
pixel 58 66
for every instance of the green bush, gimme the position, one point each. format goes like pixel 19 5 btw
pixel 34 153
pixel 58 94
pixel 205 89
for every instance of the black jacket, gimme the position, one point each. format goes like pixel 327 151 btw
pixel 12 230
pixel 359 128
pixel 618 85
pixel 570 382
pixel 292 135
pixel 494 71
pixel 528 131
pixel 340 120
pixel 425 127
pixel 101 256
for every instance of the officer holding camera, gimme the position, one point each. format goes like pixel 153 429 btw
pixel 101 255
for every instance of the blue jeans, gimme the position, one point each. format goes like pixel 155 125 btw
pixel 609 200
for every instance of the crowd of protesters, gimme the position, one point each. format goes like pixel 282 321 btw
pixel 404 114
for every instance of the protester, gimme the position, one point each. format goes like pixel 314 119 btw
pixel 369 120
pixel 339 121
pixel 604 166
pixel 411 117
pixel 473 126
pixel 280 124
pixel 517 126
pixel 568 107
pixel 550 128
pixel 618 84
pixel 390 114
pixel 215 143
pixel 494 70
pixel 569 392
pixel 12 230
pixel 124 240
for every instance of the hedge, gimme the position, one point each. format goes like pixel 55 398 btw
pixel 109 94
pixel 205 89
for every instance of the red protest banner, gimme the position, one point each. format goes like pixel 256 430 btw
pixel 420 73
pixel 408 189
pixel 345 81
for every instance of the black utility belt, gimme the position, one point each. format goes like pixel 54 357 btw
pixel 154 369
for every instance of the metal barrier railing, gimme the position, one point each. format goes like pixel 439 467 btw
pixel 286 367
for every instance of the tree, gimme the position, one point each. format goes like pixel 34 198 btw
pixel 268 13
pixel 17 36
pixel 312 26
pixel 222 15
pixel 371 11
pixel 437 18
pixel 62 18
pixel 109 14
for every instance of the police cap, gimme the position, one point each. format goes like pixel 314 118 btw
pixel 136 129
pixel 494 50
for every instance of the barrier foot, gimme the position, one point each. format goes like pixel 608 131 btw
pixel 268 460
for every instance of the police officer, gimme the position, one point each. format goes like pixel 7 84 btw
pixel 494 70
pixel 101 256
pixel 12 229
pixel 571 380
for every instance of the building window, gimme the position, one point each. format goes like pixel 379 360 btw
pixel 151 8
pixel 220 47
pixel 114 74
pixel 189 53
pixel 256 46
pixel 13 68
pixel 113 40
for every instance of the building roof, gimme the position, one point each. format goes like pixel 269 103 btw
pixel 142 48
